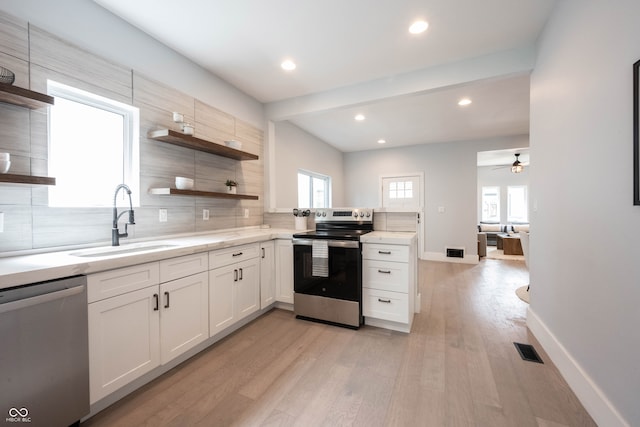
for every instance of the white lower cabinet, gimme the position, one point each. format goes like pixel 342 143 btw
pixel 284 271
pixel 184 315
pixel 124 340
pixel 147 323
pixel 267 273
pixel 389 285
pixel 234 289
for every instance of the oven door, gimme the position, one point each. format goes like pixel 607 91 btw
pixel 344 276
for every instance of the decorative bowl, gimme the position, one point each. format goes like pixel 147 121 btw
pixel 4 166
pixel 6 76
pixel 183 183
pixel 233 144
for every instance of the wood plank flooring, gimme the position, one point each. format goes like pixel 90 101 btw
pixel 458 367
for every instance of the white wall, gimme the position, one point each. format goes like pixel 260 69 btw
pixel 490 176
pixel 585 239
pixel 450 173
pixel 89 26
pixel 296 149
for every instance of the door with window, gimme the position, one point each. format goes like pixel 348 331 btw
pixel 401 192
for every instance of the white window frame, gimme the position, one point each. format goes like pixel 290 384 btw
pixel 327 194
pixel 482 192
pixel 131 132
pixel 510 219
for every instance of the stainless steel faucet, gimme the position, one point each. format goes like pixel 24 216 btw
pixel 115 232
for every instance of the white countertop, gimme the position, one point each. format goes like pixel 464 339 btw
pixel 26 269
pixel 389 237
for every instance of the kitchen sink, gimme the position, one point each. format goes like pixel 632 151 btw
pixel 121 250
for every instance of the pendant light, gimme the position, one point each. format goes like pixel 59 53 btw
pixel 517 166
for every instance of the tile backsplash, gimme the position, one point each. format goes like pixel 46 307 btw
pixel 29 223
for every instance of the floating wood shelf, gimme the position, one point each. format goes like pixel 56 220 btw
pixel 188 141
pixel 176 192
pixel 24 97
pixel 27 179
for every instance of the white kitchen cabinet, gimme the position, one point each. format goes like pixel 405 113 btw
pixel 184 315
pixel 124 340
pixel 137 323
pixel 234 289
pixel 284 271
pixel 267 274
pixel 247 288
pixel 389 285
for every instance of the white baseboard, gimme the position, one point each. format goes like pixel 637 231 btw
pixel 440 256
pixel 589 394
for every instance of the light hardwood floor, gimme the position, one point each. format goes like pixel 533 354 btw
pixel 458 367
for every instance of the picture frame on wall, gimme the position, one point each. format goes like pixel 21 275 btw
pixel 636 133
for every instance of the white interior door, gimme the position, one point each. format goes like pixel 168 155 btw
pixel 402 192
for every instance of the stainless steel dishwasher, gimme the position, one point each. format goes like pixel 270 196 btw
pixel 44 353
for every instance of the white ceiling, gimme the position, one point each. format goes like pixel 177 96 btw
pixel 340 45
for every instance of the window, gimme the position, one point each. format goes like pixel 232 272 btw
pixel 517 204
pixel 491 204
pixel 314 190
pixel 401 192
pixel 93 147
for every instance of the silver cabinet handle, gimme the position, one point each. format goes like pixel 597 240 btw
pixel 156 306
pixel 166 305
pixel 384 271
pixel 237 254
pixel 235 275
pixel 384 252
pixel 240 274
pixel 263 255
pixel 386 301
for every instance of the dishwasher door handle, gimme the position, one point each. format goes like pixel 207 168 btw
pixel 39 299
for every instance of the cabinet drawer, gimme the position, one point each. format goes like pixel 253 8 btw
pixel 183 266
pixel 385 305
pixel 396 253
pixel 385 275
pixel 228 256
pixel 117 282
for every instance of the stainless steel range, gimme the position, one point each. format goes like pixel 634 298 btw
pixel 327 265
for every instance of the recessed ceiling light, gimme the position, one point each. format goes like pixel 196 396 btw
pixel 381 141
pixel 359 117
pixel 464 101
pixel 288 65
pixel 418 27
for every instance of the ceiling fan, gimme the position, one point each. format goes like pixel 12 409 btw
pixel 516 167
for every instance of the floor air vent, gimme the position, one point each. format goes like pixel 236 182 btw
pixel 528 353
pixel 455 253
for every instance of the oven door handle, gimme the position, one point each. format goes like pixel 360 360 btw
pixel 330 243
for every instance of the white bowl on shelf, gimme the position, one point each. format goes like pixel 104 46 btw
pixel 183 183
pixel 234 144
pixel 4 166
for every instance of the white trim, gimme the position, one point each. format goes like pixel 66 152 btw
pixel 587 391
pixel 270 166
pixel 442 257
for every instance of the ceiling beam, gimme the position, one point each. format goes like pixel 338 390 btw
pixel 506 63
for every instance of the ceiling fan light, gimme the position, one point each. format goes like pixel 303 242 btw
pixel 517 165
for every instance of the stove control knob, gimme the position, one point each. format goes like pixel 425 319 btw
pixel 368 214
pixel 355 214
pixel 318 213
pixel 361 214
pixel 324 214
